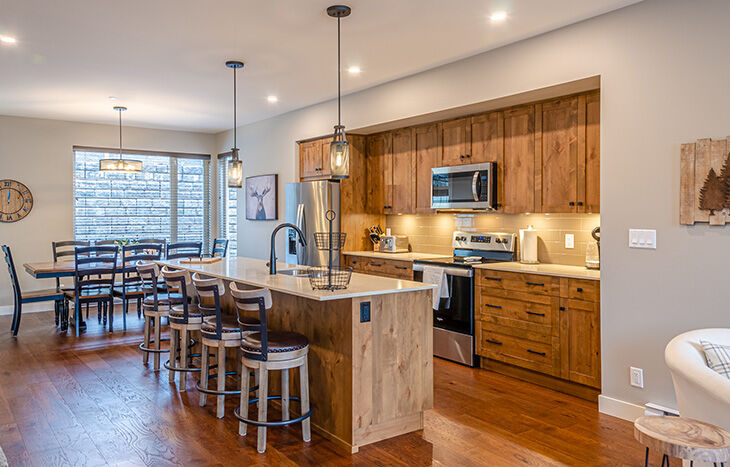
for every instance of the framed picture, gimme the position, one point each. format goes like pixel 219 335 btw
pixel 261 197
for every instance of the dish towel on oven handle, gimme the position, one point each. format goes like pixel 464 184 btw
pixel 436 275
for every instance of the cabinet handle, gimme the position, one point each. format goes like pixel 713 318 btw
pixel 493 278
pixel 492 341
pixel 539 284
pixel 377 265
pixel 580 203
pixel 493 306
pixel 562 308
pixel 534 314
pixel 401 267
pixel 571 203
pixel 468 156
pixel 579 289
pixel 461 156
pixel 542 354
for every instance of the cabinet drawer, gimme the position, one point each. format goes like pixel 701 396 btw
pixel 533 283
pixel 522 316
pixel 538 356
pixel 390 268
pixel 357 263
pixel 580 289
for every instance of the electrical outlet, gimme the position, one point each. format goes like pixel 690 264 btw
pixel 364 312
pixel 637 377
pixel 569 241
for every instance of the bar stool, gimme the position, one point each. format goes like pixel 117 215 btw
pixel 155 306
pixel 218 332
pixel 270 350
pixel 184 319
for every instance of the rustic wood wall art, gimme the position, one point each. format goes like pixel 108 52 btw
pixel 704 178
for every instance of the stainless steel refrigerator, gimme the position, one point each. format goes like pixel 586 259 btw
pixel 306 205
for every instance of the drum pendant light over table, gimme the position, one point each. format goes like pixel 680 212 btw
pixel 235 165
pixel 339 148
pixel 120 164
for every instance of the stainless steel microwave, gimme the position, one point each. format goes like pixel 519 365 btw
pixel 469 187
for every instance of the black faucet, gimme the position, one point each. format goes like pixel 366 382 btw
pixel 272 256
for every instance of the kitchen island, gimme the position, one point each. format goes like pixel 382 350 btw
pixel 370 371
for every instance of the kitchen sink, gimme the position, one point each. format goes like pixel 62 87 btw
pixel 299 272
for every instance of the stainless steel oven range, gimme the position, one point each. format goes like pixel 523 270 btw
pixel 453 321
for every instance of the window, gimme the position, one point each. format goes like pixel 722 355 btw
pixel 169 199
pixel 227 206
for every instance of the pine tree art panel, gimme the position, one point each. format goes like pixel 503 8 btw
pixel 705 182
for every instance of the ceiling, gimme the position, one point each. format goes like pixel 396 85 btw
pixel 164 59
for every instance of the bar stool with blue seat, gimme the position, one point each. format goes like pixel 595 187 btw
pixel 218 332
pixel 155 306
pixel 264 351
pixel 185 319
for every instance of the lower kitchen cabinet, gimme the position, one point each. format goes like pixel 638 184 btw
pixel 545 324
pixel 396 269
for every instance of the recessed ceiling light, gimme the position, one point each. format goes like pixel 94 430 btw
pixel 8 40
pixel 498 16
pixel 272 99
pixel 354 70
pixel 113 98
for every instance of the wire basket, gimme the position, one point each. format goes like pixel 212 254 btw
pixel 324 278
pixel 329 240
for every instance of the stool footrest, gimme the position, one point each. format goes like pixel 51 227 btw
pixel 150 349
pixel 172 368
pixel 237 413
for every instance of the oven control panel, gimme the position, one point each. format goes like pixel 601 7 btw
pixel 488 241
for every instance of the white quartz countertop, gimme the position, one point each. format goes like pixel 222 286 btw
pixel 562 270
pixel 255 272
pixel 395 256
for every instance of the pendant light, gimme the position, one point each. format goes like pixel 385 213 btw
pixel 120 165
pixel 339 147
pixel 235 166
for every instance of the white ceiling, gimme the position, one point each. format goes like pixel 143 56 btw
pixel 164 59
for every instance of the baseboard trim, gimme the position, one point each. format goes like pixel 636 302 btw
pixel 27 308
pixel 619 409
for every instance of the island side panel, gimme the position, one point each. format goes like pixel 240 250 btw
pixel 327 325
pixel 392 365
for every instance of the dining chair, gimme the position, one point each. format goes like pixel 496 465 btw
pixel 107 242
pixel 34 296
pixel 94 271
pixel 219 250
pixel 184 250
pixel 64 251
pixel 130 287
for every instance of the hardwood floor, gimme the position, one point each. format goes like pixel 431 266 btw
pixel 90 401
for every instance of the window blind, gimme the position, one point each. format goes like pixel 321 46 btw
pixel 227 205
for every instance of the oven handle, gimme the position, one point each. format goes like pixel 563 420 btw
pixel 449 271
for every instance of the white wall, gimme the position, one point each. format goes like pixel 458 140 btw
pixel 664 75
pixel 39 153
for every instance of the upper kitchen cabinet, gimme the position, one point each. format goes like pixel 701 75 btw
pixel 380 171
pixel 324 166
pixel 487 145
pixel 519 173
pixel 310 158
pixel 593 153
pixel 427 147
pixel 402 180
pixel 456 142
pixel 560 151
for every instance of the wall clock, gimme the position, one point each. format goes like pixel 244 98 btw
pixel 16 201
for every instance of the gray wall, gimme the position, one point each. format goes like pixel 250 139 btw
pixel 664 73
pixel 39 153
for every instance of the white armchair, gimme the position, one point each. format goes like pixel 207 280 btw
pixel 702 393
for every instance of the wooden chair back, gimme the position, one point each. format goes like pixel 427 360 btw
pixel 220 248
pixel 65 249
pixel 253 300
pixel 133 254
pixel 13 276
pixel 178 281
pixel 148 273
pixel 99 261
pixel 183 250
pixel 209 297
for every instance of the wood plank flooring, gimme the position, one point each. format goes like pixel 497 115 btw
pixel 90 401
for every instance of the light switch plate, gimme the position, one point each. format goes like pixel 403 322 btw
pixel 569 241
pixel 642 238
pixel 637 377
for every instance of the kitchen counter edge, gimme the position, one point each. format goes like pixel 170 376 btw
pixel 560 270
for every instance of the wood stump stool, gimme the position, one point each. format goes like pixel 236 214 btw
pixel 684 438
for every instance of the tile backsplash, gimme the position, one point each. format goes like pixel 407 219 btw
pixel 431 233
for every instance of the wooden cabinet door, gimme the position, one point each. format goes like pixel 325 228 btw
pixel 324 160
pixel 455 137
pixel 519 161
pixel 380 173
pixel 403 168
pixel 560 151
pixel 427 146
pixel 487 144
pixel 592 179
pixel 310 158
pixel 580 341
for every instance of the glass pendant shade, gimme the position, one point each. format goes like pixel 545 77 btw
pixel 235 171
pixel 340 158
pixel 120 165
